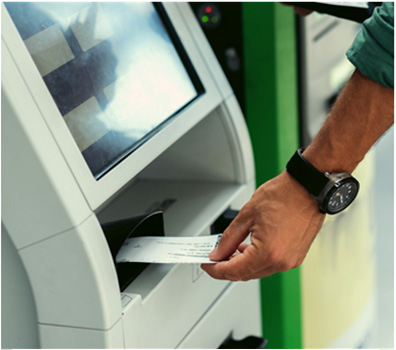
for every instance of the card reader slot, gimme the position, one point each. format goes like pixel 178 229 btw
pixel 223 221
pixel 118 232
pixel 250 342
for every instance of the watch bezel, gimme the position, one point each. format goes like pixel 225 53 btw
pixel 335 182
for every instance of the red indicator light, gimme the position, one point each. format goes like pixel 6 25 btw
pixel 208 9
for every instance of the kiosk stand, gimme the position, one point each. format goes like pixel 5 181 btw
pixel 112 111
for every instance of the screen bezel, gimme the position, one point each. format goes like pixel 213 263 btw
pixel 99 191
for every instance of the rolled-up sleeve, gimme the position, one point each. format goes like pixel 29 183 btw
pixel 372 52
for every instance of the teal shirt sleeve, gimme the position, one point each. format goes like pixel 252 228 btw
pixel 372 52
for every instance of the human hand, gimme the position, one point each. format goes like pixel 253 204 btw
pixel 282 218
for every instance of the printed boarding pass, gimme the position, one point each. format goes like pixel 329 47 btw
pixel 168 250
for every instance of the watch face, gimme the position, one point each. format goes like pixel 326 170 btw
pixel 342 196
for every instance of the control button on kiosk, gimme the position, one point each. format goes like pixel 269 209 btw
pixel 209 15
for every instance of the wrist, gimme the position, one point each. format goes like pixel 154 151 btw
pixel 299 192
pixel 329 156
pixel 333 192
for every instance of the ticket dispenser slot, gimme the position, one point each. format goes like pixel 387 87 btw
pixel 118 232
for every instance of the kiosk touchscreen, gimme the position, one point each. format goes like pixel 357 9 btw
pixel 112 69
pixel 116 119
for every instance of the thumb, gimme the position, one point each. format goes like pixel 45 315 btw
pixel 232 237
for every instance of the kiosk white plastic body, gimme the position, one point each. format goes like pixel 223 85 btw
pixel 60 287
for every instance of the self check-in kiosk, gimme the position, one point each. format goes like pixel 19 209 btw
pixel 112 112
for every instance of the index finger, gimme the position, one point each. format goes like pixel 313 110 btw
pixel 233 235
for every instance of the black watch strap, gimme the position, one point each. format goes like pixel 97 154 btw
pixel 306 174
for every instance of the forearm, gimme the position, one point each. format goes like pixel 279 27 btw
pixel 361 114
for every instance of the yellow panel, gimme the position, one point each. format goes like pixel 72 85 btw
pixel 338 273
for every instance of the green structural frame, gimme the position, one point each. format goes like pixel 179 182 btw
pixel 270 53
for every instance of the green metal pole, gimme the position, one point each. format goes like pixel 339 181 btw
pixel 272 117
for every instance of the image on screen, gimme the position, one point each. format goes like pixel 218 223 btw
pixel 112 68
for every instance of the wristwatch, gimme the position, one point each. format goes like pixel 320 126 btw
pixel 333 192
